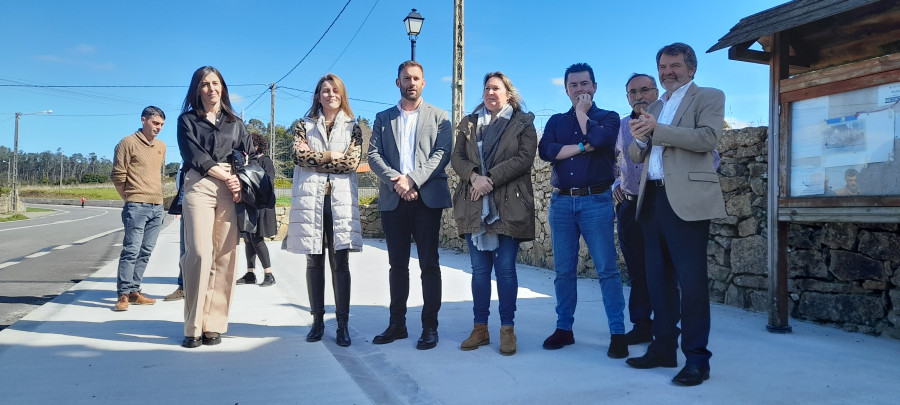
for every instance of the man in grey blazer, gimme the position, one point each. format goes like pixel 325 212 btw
pixel 409 150
pixel 679 194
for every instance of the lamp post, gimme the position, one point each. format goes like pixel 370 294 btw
pixel 14 190
pixel 413 23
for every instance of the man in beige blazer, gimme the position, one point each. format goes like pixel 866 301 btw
pixel 679 194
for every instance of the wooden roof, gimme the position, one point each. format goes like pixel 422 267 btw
pixel 822 32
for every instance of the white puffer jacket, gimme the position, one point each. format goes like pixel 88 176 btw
pixel 306 230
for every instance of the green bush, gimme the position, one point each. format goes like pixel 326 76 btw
pixel 94 178
pixel 283 183
pixel 368 200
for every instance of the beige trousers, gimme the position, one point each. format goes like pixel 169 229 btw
pixel 210 253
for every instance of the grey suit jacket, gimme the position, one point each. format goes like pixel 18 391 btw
pixel 434 143
pixel 692 184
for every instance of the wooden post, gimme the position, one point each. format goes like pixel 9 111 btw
pixel 458 85
pixel 777 242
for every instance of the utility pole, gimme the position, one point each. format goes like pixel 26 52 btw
pixel 272 126
pixel 458 83
pixel 60 167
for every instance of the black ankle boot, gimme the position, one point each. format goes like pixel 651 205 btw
pixel 317 329
pixel 343 334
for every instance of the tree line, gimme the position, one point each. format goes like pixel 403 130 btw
pixel 48 167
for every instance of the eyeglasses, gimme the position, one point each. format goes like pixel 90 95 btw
pixel 643 90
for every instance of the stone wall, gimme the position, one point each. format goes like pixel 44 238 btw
pixel 844 274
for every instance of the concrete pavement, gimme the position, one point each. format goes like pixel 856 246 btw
pixel 76 350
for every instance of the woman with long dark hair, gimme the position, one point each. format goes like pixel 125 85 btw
pixel 324 215
pixel 208 132
pixel 267 225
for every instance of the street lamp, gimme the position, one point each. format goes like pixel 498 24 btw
pixel 413 27
pixel 13 204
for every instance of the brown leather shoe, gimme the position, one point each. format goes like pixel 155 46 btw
pixel 478 338
pixel 139 299
pixel 122 304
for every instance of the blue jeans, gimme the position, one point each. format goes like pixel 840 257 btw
pixel 591 217
pixel 503 261
pixel 142 223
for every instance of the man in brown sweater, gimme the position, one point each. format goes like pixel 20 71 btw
pixel 137 175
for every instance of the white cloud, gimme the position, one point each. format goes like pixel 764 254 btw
pixel 83 49
pixel 446 79
pixel 558 81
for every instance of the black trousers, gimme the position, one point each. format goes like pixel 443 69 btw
pixel 676 257
pixel 423 223
pixel 255 245
pixel 339 262
pixel 631 241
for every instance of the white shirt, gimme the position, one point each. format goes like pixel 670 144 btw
pixel 407 127
pixel 671 101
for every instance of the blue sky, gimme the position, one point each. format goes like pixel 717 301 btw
pixel 253 43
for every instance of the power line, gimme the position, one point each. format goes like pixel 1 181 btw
pixel 354 36
pixel 349 98
pixel 314 45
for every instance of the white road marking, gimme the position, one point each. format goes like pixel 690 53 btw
pixel 55 223
pixel 90 238
pixel 7 264
pixel 38 254
pixel 61 247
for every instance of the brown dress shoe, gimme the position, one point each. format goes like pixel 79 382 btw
pixel 139 299
pixel 122 304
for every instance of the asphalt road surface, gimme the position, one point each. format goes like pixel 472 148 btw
pixel 42 257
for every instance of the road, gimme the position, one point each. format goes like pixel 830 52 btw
pixel 43 257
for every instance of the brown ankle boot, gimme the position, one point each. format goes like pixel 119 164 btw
pixel 507 340
pixel 478 338
pixel 122 304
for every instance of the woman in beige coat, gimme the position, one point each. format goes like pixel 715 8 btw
pixel 494 202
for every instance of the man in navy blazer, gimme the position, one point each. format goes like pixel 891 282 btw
pixel 679 195
pixel 409 150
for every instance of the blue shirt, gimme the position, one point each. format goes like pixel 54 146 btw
pixel 587 169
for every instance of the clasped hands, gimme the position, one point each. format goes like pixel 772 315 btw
pixel 404 186
pixel 643 126
pixel 481 186
pixel 234 185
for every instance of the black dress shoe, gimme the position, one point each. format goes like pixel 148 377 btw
pixel 190 342
pixel 392 333
pixel 651 360
pixel 211 338
pixel 639 334
pixel 428 340
pixel 692 375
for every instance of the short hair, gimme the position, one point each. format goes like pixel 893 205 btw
pixel 193 101
pixel 636 75
pixel 680 48
pixel 407 64
pixel 339 86
pixel 578 67
pixel 259 141
pixel 515 99
pixel 150 111
pixel 851 173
